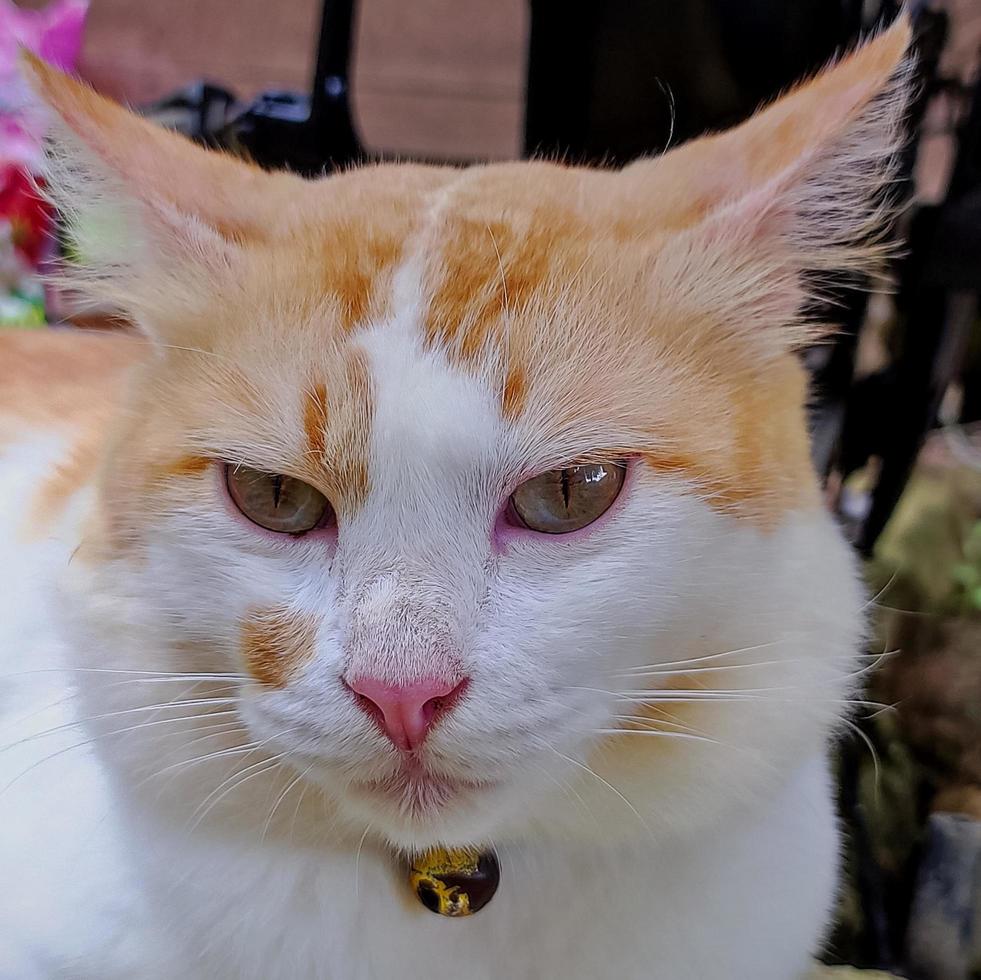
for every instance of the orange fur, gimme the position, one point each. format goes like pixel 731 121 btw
pixel 656 307
pixel 73 471
pixel 60 379
pixel 353 274
pixel 315 419
pixel 274 643
pixel 515 395
pixel 187 466
pixel 346 451
pixel 68 383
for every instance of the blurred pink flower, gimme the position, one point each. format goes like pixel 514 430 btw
pixel 55 34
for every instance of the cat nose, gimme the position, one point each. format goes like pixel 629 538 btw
pixel 406 712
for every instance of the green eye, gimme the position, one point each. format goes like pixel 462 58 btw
pixel 561 501
pixel 276 502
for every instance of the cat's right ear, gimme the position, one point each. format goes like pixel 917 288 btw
pixel 149 216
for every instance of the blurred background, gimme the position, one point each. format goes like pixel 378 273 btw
pixel 896 414
pixel 432 78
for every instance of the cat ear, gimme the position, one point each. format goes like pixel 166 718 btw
pixel 745 219
pixel 146 211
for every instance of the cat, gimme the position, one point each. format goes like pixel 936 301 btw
pixel 432 507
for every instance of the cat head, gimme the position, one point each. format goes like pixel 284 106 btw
pixel 489 489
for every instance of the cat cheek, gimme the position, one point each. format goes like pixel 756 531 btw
pixel 275 642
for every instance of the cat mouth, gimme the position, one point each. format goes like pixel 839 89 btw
pixel 417 791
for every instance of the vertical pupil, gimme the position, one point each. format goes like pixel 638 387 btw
pixel 277 490
pixel 565 488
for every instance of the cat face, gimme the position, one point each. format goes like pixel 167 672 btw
pixel 491 488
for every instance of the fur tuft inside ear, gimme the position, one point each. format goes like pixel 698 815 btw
pixel 146 212
pixel 756 219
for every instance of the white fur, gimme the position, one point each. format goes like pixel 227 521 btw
pixel 683 858
pixel 69 907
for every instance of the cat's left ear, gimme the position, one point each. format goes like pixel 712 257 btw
pixel 147 212
pixel 742 218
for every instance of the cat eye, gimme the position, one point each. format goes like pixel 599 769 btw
pixel 561 501
pixel 276 502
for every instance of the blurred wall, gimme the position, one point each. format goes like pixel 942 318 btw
pixel 441 78
pixel 432 77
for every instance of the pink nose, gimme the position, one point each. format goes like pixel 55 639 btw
pixel 406 712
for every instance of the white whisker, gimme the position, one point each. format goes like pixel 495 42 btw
pixel 299 803
pixel 236 779
pixel 357 864
pixel 95 738
pixel 176 675
pixel 609 786
pixel 124 711
pixel 707 657
pixel 875 599
pixel 872 751
pixel 282 796
pixel 654 724
pixel 217 754
pixel 651 731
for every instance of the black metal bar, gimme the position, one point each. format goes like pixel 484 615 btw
pixel 310 134
pixel 611 81
pixel 332 70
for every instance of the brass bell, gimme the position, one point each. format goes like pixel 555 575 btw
pixel 455 882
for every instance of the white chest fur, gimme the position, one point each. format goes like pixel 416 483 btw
pixel 68 904
pixel 693 910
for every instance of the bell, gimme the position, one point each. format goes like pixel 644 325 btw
pixel 455 882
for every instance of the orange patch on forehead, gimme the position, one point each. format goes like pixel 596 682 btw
pixel 275 642
pixel 187 466
pixel 488 272
pixel 337 418
pixel 515 394
pixel 468 296
pixel 504 247
pixel 352 235
pixel 356 259
pixel 315 418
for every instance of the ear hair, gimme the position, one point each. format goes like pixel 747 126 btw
pixel 798 192
pixel 123 251
pixel 149 215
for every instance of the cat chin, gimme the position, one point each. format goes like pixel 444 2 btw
pixel 413 818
